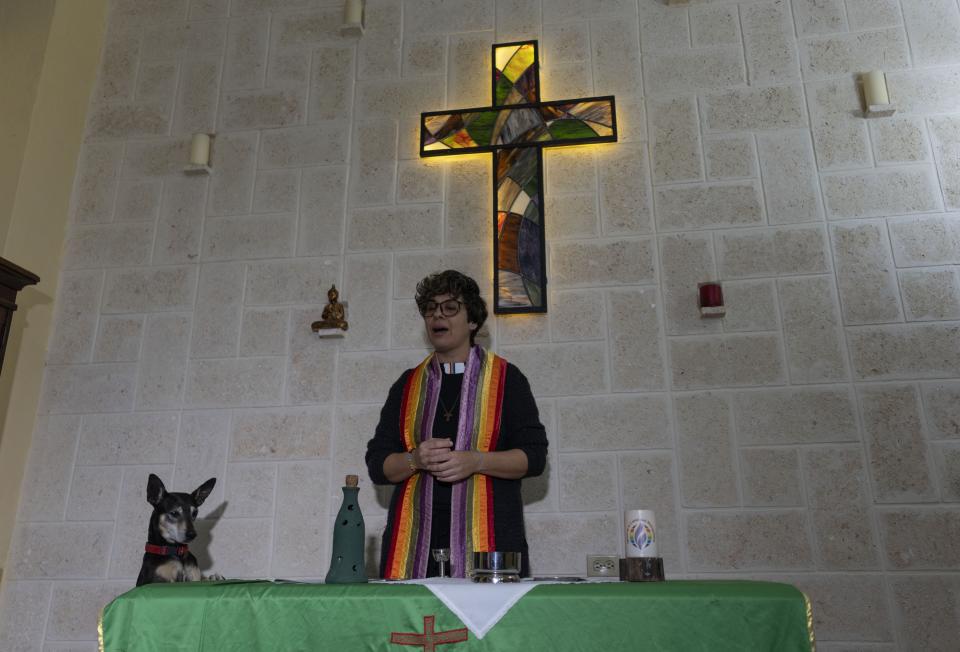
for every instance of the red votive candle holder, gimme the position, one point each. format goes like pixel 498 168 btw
pixel 711 300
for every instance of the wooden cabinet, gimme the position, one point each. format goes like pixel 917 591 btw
pixel 13 278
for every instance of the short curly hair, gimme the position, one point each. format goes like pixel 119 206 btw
pixel 456 284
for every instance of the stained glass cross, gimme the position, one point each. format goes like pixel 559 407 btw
pixel 515 129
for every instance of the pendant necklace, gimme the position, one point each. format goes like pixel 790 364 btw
pixel 448 414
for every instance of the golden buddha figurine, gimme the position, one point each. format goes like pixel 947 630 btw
pixel 333 313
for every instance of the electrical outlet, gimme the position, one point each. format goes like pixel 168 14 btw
pixel 603 566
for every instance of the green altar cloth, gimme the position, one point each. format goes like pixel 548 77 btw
pixel 240 616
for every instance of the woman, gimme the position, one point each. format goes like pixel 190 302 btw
pixel 456 435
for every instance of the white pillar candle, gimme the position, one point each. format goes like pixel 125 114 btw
pixel 353 12
pixel 875 88
pixel 200 149
pixel 640 526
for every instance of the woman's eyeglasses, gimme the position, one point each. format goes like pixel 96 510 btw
pixel 448 308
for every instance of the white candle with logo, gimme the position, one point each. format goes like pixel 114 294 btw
pixel 640 527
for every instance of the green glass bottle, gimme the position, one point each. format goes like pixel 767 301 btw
pixel 347 565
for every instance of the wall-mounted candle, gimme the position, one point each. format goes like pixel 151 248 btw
pixel 353 12
pixel 200 149
pixel 711 299
pixel 875 88
pixel 711 294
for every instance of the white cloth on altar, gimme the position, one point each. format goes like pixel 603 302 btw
pixel 478 606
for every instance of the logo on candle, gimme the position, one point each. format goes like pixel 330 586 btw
pixel 640 534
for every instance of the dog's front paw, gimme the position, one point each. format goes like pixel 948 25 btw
pixel 216 577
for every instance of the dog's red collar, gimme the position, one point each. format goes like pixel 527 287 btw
pixel 168 551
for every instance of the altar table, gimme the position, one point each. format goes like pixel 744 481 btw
pixel 273 616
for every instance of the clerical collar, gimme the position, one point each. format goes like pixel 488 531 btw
pixel 453 367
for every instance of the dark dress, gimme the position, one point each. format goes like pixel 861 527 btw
pixel 520 428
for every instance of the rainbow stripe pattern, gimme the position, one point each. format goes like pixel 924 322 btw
pixel 478 428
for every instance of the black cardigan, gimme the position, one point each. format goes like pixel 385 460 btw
pixel 520 428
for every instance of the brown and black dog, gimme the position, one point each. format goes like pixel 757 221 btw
pixel 167 556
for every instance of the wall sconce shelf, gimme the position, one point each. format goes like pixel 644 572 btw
pixel 879 111
pixel 326 333
pixel 196 170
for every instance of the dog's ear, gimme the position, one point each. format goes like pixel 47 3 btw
pixel 201 492
pixel 155 490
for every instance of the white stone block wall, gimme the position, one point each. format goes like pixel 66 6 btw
pixel 812 436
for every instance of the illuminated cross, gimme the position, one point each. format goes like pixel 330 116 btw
pixel 515 130
pixel 429 640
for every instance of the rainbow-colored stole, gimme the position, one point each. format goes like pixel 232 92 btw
pixel 471 517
